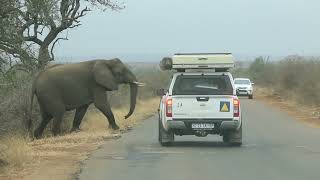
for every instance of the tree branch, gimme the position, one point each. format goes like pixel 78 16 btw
pixel 81 14
pixel 74 26
pixel 33 39
pixel 54 43
pixel 41 31
pixel 73 3
pixel 76 8
pixel 23 20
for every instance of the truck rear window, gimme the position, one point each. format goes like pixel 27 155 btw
pixel 202 85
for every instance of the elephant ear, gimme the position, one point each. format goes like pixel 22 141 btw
pixel 103 76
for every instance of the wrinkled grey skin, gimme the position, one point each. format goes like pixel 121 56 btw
pixel 61 88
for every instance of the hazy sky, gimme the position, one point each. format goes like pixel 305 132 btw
pixel 246 27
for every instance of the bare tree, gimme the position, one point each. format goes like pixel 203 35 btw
pixel 30 29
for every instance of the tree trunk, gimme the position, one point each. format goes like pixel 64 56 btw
pixel 44 54
pixel 43 57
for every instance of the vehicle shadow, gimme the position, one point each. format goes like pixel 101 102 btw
pixel 202 144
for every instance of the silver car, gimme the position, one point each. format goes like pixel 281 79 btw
pixel 244 87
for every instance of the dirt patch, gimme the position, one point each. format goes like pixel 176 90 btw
pixel 61 157
pixel 309 115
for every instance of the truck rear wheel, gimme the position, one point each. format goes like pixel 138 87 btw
pixel 250 96
pixel 166 138
pixel 233 138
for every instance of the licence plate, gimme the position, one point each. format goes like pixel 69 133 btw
pixel 202 126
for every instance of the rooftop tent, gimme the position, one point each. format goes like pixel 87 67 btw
pixel 181 62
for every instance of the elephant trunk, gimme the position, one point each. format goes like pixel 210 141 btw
pixel 133 98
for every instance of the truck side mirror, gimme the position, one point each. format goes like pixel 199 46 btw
pixel 252 83
pixel 161 92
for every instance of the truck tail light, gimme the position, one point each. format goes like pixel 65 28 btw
pixel 169 107
pixel 236 108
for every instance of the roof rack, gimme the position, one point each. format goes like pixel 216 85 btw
pixel 182 61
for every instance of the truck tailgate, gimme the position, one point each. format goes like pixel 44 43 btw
pixel 202 107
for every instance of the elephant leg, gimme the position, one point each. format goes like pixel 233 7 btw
pixel 101 102
pixel 46 117
pixel 57 110
pixel 57 119
pixel 80 112
pixel 53 105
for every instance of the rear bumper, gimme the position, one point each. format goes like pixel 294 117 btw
pixel 220 125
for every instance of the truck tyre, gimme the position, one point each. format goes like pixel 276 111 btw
pixel 166 138
pixel 250 96
pixel 233 138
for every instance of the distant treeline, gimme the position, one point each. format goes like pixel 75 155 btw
pixel 294 77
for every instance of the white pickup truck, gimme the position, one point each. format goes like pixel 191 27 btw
pixel 201 99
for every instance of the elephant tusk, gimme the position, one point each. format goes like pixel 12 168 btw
pixel 139 83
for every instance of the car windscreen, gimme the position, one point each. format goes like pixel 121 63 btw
pixel 242 81
pixel 202 85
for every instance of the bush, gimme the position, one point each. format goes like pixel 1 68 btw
pixel 262 71
pixel 14 151
pixel 294 77
pixel 15 103
pixel 240 73
pixel 299 76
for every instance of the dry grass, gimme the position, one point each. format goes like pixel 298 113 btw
pixel 294 78
pixel 60 157
pixel 94 121
pixel 15 153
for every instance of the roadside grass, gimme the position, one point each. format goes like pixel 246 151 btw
pixel 95 121
pixel 15 153
pixel 294 78
pixel 61 156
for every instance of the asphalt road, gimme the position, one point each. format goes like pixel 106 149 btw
pixel 275 146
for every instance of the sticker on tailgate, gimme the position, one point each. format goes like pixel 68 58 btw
pixel 224 106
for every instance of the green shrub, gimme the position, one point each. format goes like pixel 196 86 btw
pixel 294 77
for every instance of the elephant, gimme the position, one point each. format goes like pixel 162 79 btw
pixel 66 87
